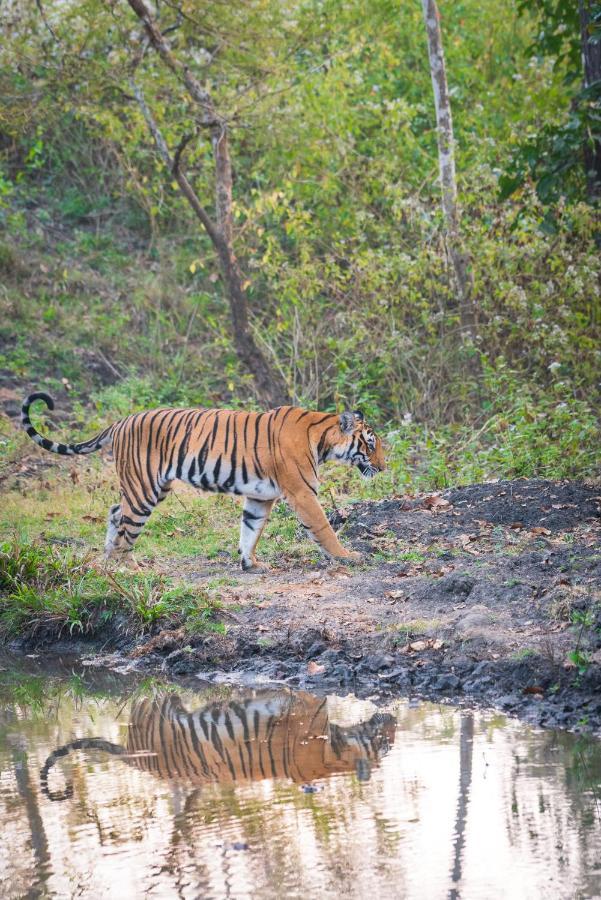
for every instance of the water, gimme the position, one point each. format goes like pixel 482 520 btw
pixel 220 792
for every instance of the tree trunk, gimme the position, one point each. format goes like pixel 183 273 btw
pixel 446 157
pixel 466 748
pixel 269 385
pixel 591 62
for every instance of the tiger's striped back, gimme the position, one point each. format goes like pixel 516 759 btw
pixel 273 735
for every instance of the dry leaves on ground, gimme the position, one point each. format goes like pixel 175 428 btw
pixel 436 503
pixel 418 646
pixel 314 668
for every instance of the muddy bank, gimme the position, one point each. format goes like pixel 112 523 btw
pixel 486 595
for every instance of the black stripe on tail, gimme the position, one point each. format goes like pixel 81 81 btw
pixel 90 446
pixel 81 744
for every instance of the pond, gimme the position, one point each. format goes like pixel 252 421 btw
pixel 112 786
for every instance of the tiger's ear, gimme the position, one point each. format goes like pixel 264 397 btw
pixel 347 422
pixel 359 415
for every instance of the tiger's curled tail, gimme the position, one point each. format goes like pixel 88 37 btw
pixel 91 446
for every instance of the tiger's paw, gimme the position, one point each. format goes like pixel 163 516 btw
pixel 354 558
pixel 253 568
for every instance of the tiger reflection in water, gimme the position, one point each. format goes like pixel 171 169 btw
pixel 268 735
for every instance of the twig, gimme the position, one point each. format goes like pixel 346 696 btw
pixel 179 151
pixel 334 504
pixel 108 363
pixel 38 3
pixel 180 501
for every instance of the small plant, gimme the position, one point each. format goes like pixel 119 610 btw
pixel 581 658
pixel 524 653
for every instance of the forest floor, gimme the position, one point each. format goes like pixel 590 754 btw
pixel 494 596
pixel 488 594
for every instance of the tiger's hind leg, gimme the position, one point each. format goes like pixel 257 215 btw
pixel 254 517
pixel 113 522
pixel 125 522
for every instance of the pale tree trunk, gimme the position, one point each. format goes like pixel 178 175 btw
pixel 591 63
pixel 446 157
pixel 466 752
pixel 269 385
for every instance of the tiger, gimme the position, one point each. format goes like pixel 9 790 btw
pixel 263 456
pixel 279 735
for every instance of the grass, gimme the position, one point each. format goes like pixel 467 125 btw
pixel 406 630
pixel 55 590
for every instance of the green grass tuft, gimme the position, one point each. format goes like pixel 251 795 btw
pixel 52 590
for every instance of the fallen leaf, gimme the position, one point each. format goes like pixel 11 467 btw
pixel 538 529
pixel 418 645
pixel 535 689
pixel 395 595
pixel 377 529
pixel 435 502
pixel 314 668
pixel 464 541
pixel 437 644
pixel 92 519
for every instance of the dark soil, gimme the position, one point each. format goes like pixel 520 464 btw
pixel 473 596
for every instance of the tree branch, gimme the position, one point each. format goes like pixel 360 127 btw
pixel 173 165
pixel 195 89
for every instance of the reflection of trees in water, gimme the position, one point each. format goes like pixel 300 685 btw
pixel 185 831
pixel 38 840
pixel 466 748
pixel 553 797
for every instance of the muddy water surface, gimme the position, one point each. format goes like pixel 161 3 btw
pixel 115 787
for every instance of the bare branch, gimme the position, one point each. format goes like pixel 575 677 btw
pixel 269 385
pixel 179 150
pixel 49 27
pixel 183 183
pixel 182 72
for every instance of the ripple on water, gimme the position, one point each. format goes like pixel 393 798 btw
pixel 269 793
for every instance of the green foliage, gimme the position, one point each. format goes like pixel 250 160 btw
pixel 110 286
pixel 551 154
pixel 52 590
pixel 586 621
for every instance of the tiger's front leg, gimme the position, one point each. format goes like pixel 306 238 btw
pixel 312 517
pixel 254 517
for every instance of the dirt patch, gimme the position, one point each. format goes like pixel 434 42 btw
pixel 478 595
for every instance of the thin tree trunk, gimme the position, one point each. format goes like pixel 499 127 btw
pixel 446 158
pixel 270 387
pixel 591 63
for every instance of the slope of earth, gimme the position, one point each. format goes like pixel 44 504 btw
pixel 487 594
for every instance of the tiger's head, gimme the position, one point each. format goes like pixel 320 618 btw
pixel 358 445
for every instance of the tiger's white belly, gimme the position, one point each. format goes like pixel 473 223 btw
pixel 259 489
